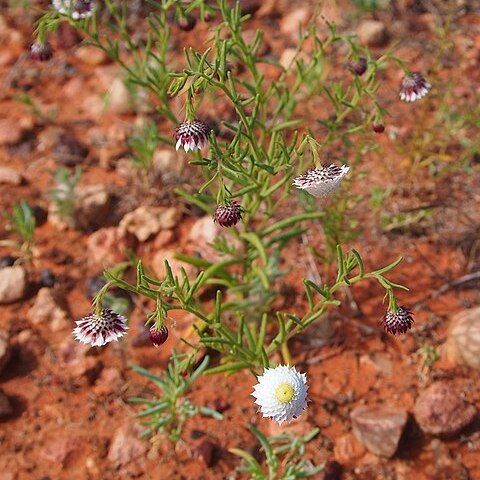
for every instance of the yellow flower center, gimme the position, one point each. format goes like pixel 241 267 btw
pixel 284 392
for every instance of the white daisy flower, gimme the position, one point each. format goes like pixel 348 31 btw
pixel 99 330
pixel 413 87
pixel 321 182
pixel 76 8
pixel 281 393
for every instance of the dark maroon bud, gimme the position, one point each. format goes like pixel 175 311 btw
pixel 228 215
pixel 359 66
pixel 378 127
pixel 398 322
pixel 41 52
pixel 158 336
pixel 186 23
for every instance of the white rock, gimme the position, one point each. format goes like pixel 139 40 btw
pixel 93 205
pixel 92 209
pixel 91 55
pixel 289 25
pixel 463 339
pixel 119 99
pixel 58 221
pixel 108 246
pixel 46 309
pixel 49 137
pixel 286 59
pixel 93 105
pixel 9 176
pixel 167 161
pixel 126 446
pixel 202 234
pixel 11 132
pixel 13 284
pixel 146 221
pixel 372 33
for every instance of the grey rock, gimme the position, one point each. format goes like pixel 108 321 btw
pixel 463 340
pixel 379 428
pixel 439 410
pixel 13 284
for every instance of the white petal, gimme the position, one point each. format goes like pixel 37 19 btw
pixel 264 392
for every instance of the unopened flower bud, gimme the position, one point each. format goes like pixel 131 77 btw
pixel 359 66
pixel 41 51
pixel 228 215
pixel 398 322
pixel 158 336
pixel 186 23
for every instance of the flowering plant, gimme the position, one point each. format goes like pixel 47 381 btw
pixel 249 160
